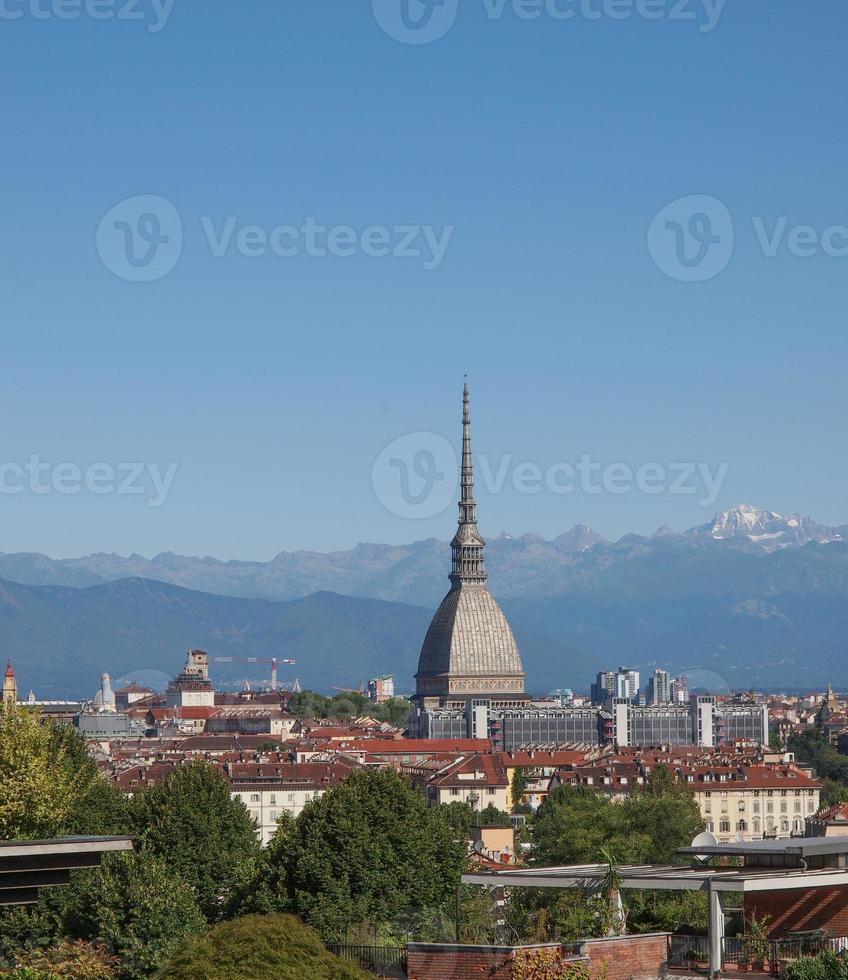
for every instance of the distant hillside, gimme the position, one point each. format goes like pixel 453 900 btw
pixel 749 598
pixel 61 639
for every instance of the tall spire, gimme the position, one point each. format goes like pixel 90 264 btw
pixel 468 563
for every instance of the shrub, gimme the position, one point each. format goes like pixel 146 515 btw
pixel 79 960
pixel 824 966
pixel 255 947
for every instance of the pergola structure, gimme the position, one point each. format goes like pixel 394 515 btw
pixel 768 866
pixel 27 866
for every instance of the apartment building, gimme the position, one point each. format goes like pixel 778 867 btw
pixel 478 780
pixel 270 789
pixel 754 802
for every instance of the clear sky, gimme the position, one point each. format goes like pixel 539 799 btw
pixel 533 153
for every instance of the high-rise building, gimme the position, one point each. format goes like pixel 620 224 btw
pixel 659 688
pixel 604 687
pixel 10 685
pixel 627 683
pixel 469 667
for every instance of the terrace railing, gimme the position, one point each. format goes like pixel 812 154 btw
pixel 382 961
pixel 693 952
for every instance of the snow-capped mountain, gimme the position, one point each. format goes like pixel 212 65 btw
pixel 766 528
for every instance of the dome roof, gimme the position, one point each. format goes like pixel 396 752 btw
pixel 469 638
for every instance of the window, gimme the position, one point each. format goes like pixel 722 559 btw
pixel 454 791
pixel 254 797
pixel 724 826
pixel 741 825
pixel 490 791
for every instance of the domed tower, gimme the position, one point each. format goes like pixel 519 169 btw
pixel 469 656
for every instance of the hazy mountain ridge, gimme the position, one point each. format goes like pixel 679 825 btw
pixel 743 545
pixel 750 597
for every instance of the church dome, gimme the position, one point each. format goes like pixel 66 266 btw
pixel 469 647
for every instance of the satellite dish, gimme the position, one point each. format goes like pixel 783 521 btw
pixel 704 839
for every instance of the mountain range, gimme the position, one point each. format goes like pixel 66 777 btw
pixel 749 598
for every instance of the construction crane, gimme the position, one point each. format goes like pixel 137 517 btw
pixel 273 661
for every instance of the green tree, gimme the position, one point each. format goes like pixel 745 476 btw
pixel 519 785
pixel 261 885
pixel 255 947
pixel 42 779
pixel 580 825
pixel 812 748
pixel 538 915
pixel 575 823
pixel 665 811
pixel 367 850
pixel 138 907
pixel 460 817
pixel 203 835
pixel 491 816
pixel 832 793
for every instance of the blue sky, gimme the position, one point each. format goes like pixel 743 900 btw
pixel 545 146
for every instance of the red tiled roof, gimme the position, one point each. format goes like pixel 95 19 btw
pixel 490 767
pixel 413 746
pixel 537 759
